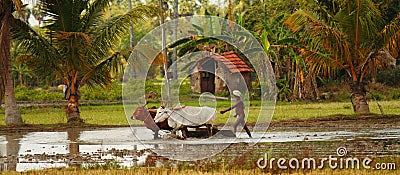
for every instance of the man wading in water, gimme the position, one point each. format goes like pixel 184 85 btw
pixel 239 112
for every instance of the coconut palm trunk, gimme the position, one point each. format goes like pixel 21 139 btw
pixel 358 99
pixel 73 95
pixel 72 110
pixel 13 117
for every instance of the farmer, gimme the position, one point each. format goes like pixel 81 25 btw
pixel 239 112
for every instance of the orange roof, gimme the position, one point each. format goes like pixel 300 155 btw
pixel 232 61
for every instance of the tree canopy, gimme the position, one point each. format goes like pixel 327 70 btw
pixel 78 44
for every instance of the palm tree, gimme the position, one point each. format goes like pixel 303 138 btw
pixel 78 45
pixel 22 71
pixel 350 38
pixel 19 68
pixel 7 8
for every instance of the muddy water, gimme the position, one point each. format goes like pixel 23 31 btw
pixel 39 150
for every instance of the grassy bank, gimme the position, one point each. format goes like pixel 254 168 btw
pixel 115 115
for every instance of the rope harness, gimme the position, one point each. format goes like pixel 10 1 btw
pixel 147 115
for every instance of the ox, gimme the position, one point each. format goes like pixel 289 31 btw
pixel 146 115
pixel 188 116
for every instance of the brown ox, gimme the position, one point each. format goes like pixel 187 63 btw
pixel 146 115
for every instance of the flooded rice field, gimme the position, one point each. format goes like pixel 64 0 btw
pixel 88 148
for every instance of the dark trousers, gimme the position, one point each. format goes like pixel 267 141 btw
pixel 241 121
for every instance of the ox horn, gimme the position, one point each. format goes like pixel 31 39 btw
pixel 162 105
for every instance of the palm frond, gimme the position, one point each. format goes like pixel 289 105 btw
pixel 63 15
pixel 73 47
pixel 99 75
pixel 192 45
pixel 277 20
pixel 179 42
pixel 298 20
pixel 330 39
pixel 391 36
pixel 93 14
pixel 321 63
pixel 319 35
pixel 289 41
pixel 198 28
pixel 108 34
pixel 187 47
pixel 368 20
pixel 38 47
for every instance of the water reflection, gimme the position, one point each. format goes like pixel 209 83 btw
pixel 39 150
pixel 11 151
pixel 73 136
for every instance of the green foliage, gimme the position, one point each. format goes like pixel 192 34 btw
pixel 379 91
pixel 224 94
pixel 395 96
pixel 341 96
pixel 184 88
pixel 389 77
pixel 284 91
pixel 112 93
pixel 346 106
pixel 25 94
pixel 115 115
pixel 81 47
pixel 134 87
pixel 376 96
pixel 334 91
pixel 346 37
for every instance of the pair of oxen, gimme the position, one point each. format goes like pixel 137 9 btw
pixel 174 119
